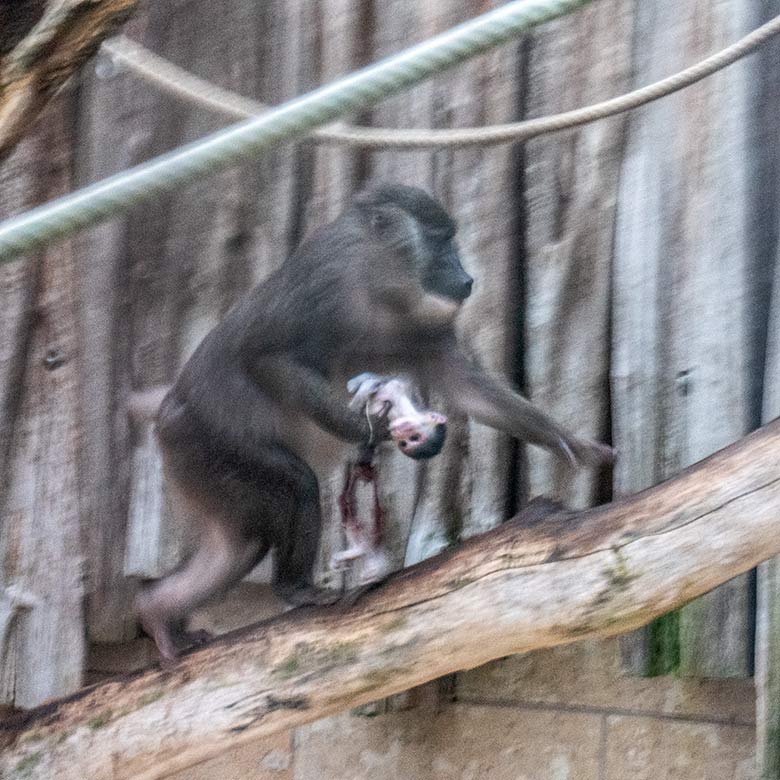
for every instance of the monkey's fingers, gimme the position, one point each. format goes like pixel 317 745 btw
pixel 365 382
pixel 593 453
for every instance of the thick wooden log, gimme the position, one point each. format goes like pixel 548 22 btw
pixel 36 66
pixel 546 578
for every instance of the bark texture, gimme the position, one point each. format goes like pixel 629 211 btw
pixel 546 578
pixel 35 62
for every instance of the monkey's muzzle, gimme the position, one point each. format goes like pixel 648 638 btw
pixel 419 436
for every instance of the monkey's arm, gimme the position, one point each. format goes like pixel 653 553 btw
pixel 300 387
pixel 475 393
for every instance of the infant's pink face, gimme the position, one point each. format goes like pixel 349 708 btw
pixel 419 435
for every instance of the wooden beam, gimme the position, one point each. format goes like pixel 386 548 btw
pixel 37 66
pixel 546 578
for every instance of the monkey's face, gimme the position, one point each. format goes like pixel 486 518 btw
pixel 443 273
pixel 421 435
pixel 416 227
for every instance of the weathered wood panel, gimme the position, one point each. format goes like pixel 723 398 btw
pixel 182 263
pixel 536 228
pixel 114 133
pixel 480 188
pixel 466 488
pixel 396 24
pixel 682 383
pixel 570 185
pixel 41 553
pixel 765 232
pixel 18 286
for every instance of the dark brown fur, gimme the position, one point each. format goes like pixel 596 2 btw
pixel 262 403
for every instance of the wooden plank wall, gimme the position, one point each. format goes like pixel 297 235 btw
pixel 618 282
pixel 42 551
pixel 765 233
pixel 569 200
pixel 684 374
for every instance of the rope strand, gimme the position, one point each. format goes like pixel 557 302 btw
pixel 176 81
pixel 297 118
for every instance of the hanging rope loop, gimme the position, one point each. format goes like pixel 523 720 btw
pixel 178 82
pixel 294 119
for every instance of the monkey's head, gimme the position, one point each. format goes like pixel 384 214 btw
pixel 415 227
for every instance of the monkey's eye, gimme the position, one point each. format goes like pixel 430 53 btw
pixel 381 221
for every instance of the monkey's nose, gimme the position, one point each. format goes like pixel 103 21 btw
pixel 465 288
pixel 427 445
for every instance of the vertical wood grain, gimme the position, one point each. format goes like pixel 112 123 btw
pixel 570 184
pixel 41 550
pixel 765 231
pixel 681 384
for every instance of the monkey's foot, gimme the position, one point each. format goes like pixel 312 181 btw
pixel 346 558
pixel 162 634
pixel 185 639
pixel 297 595
pixel 374 564
pixel 375 567
pixel 351 597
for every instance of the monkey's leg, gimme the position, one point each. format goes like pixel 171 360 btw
pixel 353 528
pixel 222 558
pixel 376 564
pixel 298 542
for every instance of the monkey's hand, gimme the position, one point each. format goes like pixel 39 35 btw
pixel 587 452
pixel 418 433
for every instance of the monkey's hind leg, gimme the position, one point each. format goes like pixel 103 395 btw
pixel 298 542
pixel 222 558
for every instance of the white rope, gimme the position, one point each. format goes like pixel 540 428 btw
pixel 176 81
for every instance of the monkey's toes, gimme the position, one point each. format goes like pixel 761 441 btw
pixel 194 638
pixel 351 597
pixel 376 566
pixel 306 595
pixel 346 558
pixel 162 635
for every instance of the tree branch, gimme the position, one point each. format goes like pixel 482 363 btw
pixel 546 578
pixel 38 65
